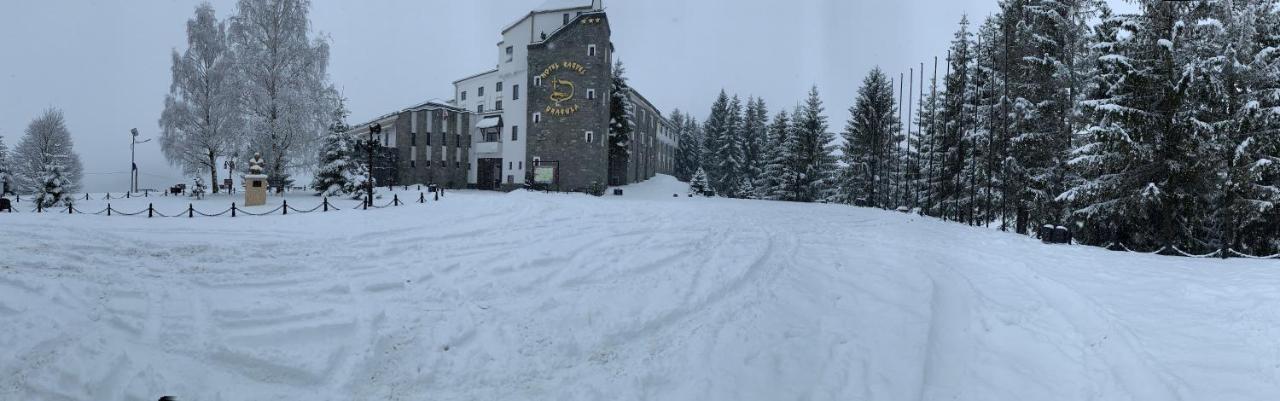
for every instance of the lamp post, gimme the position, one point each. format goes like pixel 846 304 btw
pixel 368 195
pixel 230 164
pixel 133 172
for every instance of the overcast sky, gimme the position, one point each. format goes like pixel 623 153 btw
pixel 106 63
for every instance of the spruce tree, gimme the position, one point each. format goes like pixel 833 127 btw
pixel 6 170
pixel 755 124
pixel 337 161
pixel 698 183
pixel 729 168
pixel 714 132
pixel 55 185
pixel 814 165
pixel 868 138
pixel 620 126
pixel 777 157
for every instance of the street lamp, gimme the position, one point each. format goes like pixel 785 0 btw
pixel 133 173
pixel 368 198
pixel 230 164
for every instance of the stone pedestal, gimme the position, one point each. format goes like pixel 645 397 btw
pixel 255 190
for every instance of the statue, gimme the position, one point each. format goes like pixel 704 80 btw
pixel 255 183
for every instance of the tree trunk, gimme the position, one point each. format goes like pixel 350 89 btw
pixel 213 171
pixel 1022 218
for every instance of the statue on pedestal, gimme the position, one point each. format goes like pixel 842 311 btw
pixel 255 183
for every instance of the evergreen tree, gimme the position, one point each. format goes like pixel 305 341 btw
pixel 699 185
pixel 621 116
pixel 714 134
pixel 868 137
pixel 810 142
pixel 755 124
pixel 954 118
pixel 777 157
pixel 54 185
pixel 729 169
pixel 337 161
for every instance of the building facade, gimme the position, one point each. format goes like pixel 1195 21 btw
pixel 425 144
pixel 546 103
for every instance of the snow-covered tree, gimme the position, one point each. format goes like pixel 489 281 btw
pixel 338 164
pixel 6 169
pixel 286 94
pixel 46 142
pixel 813 164
pixel 714 134
pixel 777 159
pixel 699 185
pixel 727 155
pixel 202 120
pixel 53 184
pixel 754 126
pixel 621 124
pixel 869 135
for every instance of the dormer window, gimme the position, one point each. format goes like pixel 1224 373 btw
pixel 591 50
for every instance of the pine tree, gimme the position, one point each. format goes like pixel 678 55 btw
pixel 621 116
pixel 955 119
pixel 46 142
pixel 337 161
pixel 54 185
pixel 699 185
pixel 868 137
pixel 755 124
pixel 729 168
pixel 714 133
pixel 814 165
pixel 777 157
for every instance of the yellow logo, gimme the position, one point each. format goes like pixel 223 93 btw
pixel 562 89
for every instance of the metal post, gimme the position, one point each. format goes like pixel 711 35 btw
pixel 395 199
pixel 191 210
pixel 285 206
pixel 326 203
pixel 368 199
pixel 233 209
pixel 108 209
pixel 150 210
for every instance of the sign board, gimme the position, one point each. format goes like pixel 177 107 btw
pixel 544 174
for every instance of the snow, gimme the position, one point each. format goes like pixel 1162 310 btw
pixel 530 296
pixel 553 5
pixel 489 122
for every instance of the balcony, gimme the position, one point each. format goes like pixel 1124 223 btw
pixel 488 148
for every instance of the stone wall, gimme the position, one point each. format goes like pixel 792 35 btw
pixel 562 73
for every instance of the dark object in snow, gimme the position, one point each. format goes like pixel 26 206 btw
pixel 5 206
pixel 178 189
pixel 168 398
pixel 617 192
pixel 1046 233
pixel 1061 235
pixel 675 195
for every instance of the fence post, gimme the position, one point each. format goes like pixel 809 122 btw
pixel 285 206
pixel 146 193
pixel 86 196
pixel 419 187
pixel 437 194
pixel 150 210
pixel 108 196
pixel 191 210
pixel 367 202
pixel 406 187
pixel 395 200
pixel 70 210
pixel 39 206
pixel 233 209
pixel 127 195
pixel 422 198
pixel 108 209
pixel 326 203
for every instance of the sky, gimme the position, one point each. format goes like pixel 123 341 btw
pixel 106 63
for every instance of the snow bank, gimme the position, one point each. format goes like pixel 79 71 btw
pixel 531 296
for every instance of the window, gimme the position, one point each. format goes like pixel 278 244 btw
pixel 413 139
pixel 444 139
pixel 521 164
pixel 510 53
pixel 591 136
pixel 591 94
pixel 537 81
pixel 566 18
pixel 480 91
pixel 457 139
pixel 464 95
pixel 515 132
pixel 591 50
pixel 428 138
pixel 510 165
pixel 515 92
pixel 536 160
pixel 498 87
pixel 497 105
pixel 537 118
pixel 480 109
pixel 413 163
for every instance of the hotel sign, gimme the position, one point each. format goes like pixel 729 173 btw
pixel 560 77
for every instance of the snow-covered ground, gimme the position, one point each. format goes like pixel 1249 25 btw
pixel 531 296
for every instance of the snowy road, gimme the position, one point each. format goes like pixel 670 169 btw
pixel 646 297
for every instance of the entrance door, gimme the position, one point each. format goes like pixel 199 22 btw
pixel 489 174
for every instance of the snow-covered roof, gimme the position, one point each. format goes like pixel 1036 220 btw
pixel 553 5
pixel 489 122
